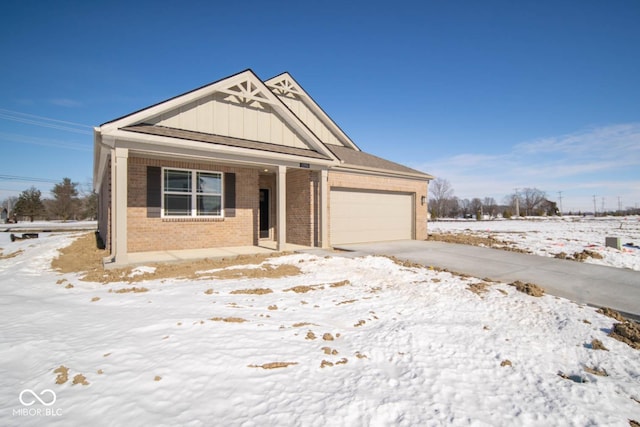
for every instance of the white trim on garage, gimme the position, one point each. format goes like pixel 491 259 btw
pixel 359 216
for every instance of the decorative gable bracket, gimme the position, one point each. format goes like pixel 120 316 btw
pixel 285 87
pixel 248 93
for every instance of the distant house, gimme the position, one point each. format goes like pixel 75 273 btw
pixel 241 161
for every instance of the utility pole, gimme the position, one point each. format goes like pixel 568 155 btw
pixel 594 206
pixel 517 204
pixel 619 205
pixel 560 198
pixel 602 206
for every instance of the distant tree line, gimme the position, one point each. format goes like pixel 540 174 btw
pixel 525 202
pixel 68 202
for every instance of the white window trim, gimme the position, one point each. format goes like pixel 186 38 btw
pixel 194 193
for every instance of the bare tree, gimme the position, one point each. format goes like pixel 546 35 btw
pixel 441 191
pixel 476 207
pixel 533 199
pixel 489 205
pixel 529 201
pixel 465 207
pixel 452 207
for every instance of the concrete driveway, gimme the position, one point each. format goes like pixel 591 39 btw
pixel 583 283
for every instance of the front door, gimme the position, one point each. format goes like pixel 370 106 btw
pixel 264 213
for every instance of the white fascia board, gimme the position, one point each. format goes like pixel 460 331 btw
pixel 223 86
pixel 153 111
pixel 207 151
pixel 101 152
pixel 382 172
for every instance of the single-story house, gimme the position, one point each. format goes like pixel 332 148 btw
pixel 241 161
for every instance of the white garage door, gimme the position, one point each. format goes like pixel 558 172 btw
pixel 359 216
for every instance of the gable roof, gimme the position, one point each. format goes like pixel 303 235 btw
pixel 284 85
pixel 250 90
pixel 360 160
pixel 245 86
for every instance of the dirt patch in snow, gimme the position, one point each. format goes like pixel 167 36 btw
pixel 267 271
pixel 404 263
pixel 528 288
pixel 273 365
pixel 133 289
pixel 611 313
pixel 256 291
pixel 627 332
pixel 601 372
pixel 63 374
pixel 10 255
pixel 303 289
pixel 339 284
pixel 478 288
pixel 597 345
pixel 83 256
pixel 474 240
pixel 80 379
pixel 229 319
pixel 581 256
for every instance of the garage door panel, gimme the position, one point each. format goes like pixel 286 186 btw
pixel 358 216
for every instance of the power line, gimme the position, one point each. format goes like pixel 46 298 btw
pixel 16 178
pixel 47 122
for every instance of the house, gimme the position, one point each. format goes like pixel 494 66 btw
pixel 243 161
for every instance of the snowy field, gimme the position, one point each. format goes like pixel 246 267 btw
pixel 552 236
pixel 332 342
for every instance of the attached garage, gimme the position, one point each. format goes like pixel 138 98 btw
pixel 358 216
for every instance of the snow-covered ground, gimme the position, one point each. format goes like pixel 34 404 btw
pixel 49 225
pixel 551 236
pixel 346 342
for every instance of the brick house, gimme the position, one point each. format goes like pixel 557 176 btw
pixel 242 161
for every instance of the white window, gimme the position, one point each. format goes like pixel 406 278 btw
pixel 191 193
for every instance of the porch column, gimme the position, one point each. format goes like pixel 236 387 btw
pixel 324 208
pixel 281 185
pixel 119 204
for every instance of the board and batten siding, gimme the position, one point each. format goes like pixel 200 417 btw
pixel 312 121
pixel 219 116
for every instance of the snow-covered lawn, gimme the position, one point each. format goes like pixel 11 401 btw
pixel 551 236
pixel 341 342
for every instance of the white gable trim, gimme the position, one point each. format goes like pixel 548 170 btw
pixel 246 87
pixel 284 84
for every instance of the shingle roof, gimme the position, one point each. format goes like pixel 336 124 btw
pixel 223 140
pixel 364 160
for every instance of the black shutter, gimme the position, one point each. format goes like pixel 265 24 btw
pixel 154 191
pixel 230 194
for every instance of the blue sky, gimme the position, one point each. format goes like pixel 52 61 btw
pixel 490 95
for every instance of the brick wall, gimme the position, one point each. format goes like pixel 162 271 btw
pixel 372 182
pixel 302 216
pixel 152 234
